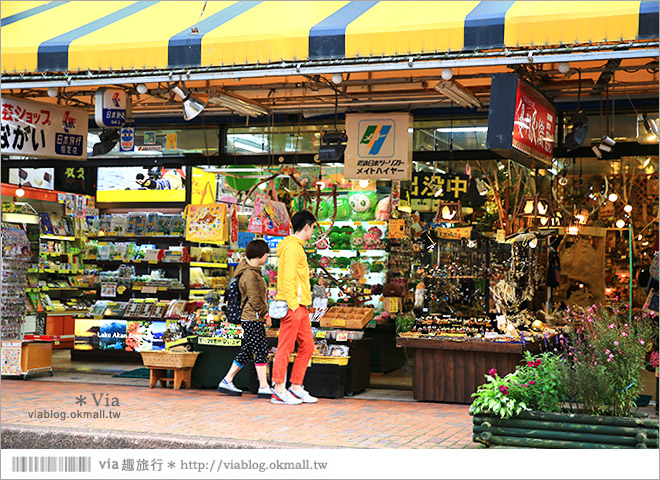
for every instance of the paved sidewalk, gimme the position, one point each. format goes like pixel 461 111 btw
pixel 162 417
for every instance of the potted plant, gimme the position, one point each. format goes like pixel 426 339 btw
pixel 580 395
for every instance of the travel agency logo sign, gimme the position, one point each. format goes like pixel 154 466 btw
pixel 379 146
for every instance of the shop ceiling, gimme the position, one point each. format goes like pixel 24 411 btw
pixel 312 57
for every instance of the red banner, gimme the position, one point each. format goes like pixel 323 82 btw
pixel 533 124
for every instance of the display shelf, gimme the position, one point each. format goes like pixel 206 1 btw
pixel 209 265
pixel 59 237
pixel 136 262
pixel 56 313
pixel 129 237
pixel 58 254
pixel 60 270
pixel 50 338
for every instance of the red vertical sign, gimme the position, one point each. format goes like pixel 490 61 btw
pixel 533 124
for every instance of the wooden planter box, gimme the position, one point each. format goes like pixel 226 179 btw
pixel 564 430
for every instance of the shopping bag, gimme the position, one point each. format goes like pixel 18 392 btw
pixel 206 223
pixel 269 217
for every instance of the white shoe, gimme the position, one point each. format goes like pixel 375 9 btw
pixel 303 395
pixel 229 388
pixel 284 399
pixel 265 392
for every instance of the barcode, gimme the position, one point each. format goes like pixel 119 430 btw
pixel 51 464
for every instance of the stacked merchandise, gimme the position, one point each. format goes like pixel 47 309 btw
pixel 15 255
pixel 138 224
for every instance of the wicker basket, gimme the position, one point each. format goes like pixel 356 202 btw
pixel 160 359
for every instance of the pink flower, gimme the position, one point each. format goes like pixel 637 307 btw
pixel 525 385
pixel 615 342
pixel 538 362
pixel 641 341
pixel 504 389
pixel 532 382
pixel 492 372
pixel 624 334
pixel 607 351
pixel 531 364
pixel 609 359
pixel 611 325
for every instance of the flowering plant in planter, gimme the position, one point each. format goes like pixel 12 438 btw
pixel 535 385
pixel 596 370
pixel 605 352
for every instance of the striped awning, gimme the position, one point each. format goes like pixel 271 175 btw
pixel 73 36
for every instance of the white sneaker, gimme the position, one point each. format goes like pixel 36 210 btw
pixel 229 388
pixel 284 399
pixel 265 392
pixel 303 395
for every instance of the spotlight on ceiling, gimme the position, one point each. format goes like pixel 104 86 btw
pixel 332 146
pixel 578 125
pixel 109 139
pixel 447 73
pixel 337 78
pixel 141 88
pixel 52 92
pixel 193 104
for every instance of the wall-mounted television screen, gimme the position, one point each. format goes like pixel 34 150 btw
pixel 140 184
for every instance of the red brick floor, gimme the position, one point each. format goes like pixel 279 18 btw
pixel 348 422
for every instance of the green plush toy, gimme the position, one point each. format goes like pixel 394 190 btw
pixel 344 241
pixel 343 209
pixel 363 205
pixel 325 210
pixel 357 238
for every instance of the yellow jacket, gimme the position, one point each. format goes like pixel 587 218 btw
pixel 293 273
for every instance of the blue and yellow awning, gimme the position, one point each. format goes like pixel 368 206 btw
pixel 151 35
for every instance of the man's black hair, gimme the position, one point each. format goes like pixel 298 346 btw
pixel 301 219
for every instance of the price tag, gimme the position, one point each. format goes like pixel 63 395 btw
pixel 342 336
pixel 320 334
pixel 149 289
pixel 153 262
pixel 338 322
pixel 118 257
pixel 162 289
pixel 394 304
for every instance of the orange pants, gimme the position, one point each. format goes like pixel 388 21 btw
pixel 295 326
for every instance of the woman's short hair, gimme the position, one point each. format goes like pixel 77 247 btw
pixel 256 249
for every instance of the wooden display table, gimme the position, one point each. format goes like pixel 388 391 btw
pixel 450 371
pixel 181 375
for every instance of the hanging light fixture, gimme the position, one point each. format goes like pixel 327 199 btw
pixel 612 197
pixel 574 229
pixel 449 212
pixel 457 93
pixel 193 104
pixel 628 208
pixel 620 223
pixel 19 191
pixel 581 215
pixel 534 207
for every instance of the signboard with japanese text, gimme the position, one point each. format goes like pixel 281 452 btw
pixel 533 124
pixel 379 146
pixel 521 122
pixel 448 187
pixel 36 129
pixel 110 107
pixel 75 179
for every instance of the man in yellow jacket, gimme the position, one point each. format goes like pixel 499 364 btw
pixel 293 288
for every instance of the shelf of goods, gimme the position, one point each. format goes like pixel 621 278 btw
pixel 60 287
pixel 353 253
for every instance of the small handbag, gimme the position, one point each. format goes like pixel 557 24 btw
pixel 278 309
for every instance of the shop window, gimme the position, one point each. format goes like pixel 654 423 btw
pixel 436 135
pixel 276 140
pixel 627 128
pixel 169 141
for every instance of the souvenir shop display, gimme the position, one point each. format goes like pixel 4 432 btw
pixel 15 256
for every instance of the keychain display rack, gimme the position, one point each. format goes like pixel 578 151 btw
pixel 15 257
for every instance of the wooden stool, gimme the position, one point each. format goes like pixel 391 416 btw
pixel 181 375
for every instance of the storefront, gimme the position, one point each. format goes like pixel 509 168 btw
pixel 421 242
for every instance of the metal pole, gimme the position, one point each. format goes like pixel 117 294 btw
pixel 630 273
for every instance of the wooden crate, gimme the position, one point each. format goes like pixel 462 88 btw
pixel 347 317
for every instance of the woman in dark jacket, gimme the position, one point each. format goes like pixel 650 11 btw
pixel 253 319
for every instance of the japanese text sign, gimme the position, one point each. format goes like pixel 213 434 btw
pixel 533 124
pixel 452 187
pixel 379 146
pixel 110 107
pixel 521 122
pixel 36 129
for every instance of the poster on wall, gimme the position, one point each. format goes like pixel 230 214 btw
pixel 141 184
pixel 379 146
pixel 86 334
pixel 112 335
pixel 204 187
pixel 33 177
pixel 37 129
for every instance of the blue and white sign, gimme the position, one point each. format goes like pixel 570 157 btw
pixel 126 139
pixel 110 107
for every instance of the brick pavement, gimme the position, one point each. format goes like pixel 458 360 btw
pixel 207 415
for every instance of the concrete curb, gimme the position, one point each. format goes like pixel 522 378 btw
pixel 23 436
